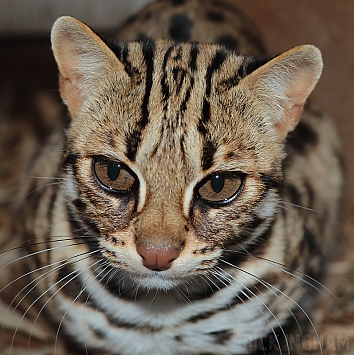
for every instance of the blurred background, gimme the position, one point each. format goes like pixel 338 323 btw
pixel 27 65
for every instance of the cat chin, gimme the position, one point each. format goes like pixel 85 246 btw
pixel 156 282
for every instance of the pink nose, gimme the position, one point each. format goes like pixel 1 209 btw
pixel 157 258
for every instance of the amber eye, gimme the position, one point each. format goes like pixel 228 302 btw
pixel 220 188
pixel 113 175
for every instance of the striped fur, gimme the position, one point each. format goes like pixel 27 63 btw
pixel 175 115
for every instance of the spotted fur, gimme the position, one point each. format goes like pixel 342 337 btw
pixel 157 268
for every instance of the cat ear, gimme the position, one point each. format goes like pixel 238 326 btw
pixel 283 85
pixel 82 58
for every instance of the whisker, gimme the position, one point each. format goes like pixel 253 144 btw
pixel 47 274
pixel 45 177
pixel 76 273
pixel 218 278
pixel 28 308
pixel 276 264
pixel 83 289
pixel 29 255
pixel 183 296
pixel 284 294
pixel 41 187
pixel 297 206
pixel 207 281
pixel 221 272
pixel 88 296
pixel 27 243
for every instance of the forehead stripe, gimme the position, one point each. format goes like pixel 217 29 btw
pixel 217 62
pixel 134 138
pixel 209 147
pixel 148 50
pixel 164 85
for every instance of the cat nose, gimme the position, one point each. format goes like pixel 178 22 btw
pixel 157 258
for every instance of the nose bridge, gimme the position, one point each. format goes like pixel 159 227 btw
pixel 161 224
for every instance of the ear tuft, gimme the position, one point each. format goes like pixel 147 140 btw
pixel 82 57
pixel 283 85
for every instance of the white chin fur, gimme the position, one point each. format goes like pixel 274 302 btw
pixel 156 281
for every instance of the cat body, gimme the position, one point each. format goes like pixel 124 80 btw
pixel 188 220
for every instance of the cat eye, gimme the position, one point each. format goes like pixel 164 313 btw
pixel 113 175
pixel 220 188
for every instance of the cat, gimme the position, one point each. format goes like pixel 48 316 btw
pixel 192 201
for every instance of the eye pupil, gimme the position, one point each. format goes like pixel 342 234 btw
pixel 217 183
pixel 113 171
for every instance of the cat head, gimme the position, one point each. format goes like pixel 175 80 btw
pixel 174 153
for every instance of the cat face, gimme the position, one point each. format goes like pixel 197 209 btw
pixel 174 154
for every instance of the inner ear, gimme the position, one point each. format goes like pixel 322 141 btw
pixel 71 93
pixel 283 85
pixel 82 58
